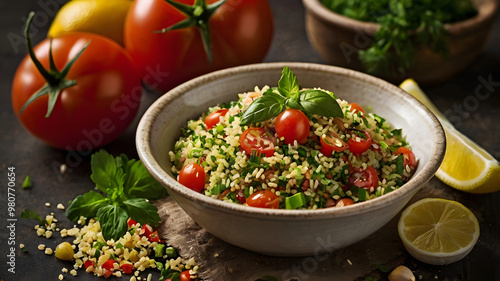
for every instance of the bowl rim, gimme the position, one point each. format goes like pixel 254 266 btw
pixel 145 129
pixel 486 12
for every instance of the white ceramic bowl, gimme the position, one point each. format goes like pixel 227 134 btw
pixel 288 232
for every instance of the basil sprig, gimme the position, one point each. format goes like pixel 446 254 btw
pixel 271 104
pixel 128 187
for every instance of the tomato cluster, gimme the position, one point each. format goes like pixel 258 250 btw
pixel 81 98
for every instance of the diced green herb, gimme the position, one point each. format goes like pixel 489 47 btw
pixel 295 201
pixel 27 182
pixel 159 250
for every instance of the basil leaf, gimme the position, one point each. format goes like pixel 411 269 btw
pixel 263 108
pixel 113 221
pixel 139 183
pixel 139 209
pixel 288 85
pixel 86 205
pixel 105 173
pixel 320 103
pixel 32 215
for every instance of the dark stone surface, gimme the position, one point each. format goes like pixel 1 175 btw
pixel 476 118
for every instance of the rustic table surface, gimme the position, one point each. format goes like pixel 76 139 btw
pixel 477 118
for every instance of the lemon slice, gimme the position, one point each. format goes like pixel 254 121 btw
pixel 104 17
pixel 438 231
pixel 466 166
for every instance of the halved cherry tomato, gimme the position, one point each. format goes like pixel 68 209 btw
pixel 185 276
pixel 344 202
pixel 263 199
pixel 409 157
pixel 330 144
pixel 359 144
pixel 214 118
pixel 292 125
pixel 258 139
pixel 192 176
pixel 354 107
pixel 364 178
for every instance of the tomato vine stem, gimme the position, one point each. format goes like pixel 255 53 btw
pixel 55 80
pixel 198 15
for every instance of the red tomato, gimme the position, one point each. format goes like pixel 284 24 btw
pixel 330 144
pixel 185 276
pixel 356 108
pixel 131 222
pixel 258 139
pixel 358 145
pixel 214 118
pixel 292 125
pixel 155 237
pixel 127 268
pixel 263 199
pixel 108 264
pixel 408 157
pixel 344 202
pixel 146 230
pixel 364 178
pixel 240 33
pixel 90 114
pixel 108 273
pixel 192 176
pixel 88 263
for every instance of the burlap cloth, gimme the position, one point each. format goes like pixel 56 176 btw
pixel 220 261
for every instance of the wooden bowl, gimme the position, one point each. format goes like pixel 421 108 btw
pixel 338 39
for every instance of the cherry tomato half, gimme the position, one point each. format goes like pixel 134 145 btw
pixel 359 144
pixel 263 199
pixel 364 178
pixel 192 176
pixel 259 139
pixel 185 276
pixel 292 125
pixel 354 107
pixel 214 118
pixel 330 144
pixel 408 157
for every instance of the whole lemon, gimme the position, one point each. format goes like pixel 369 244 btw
pixel 104 17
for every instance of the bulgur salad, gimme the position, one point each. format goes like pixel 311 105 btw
pixel 291 148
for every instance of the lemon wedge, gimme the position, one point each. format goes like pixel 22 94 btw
pixel 466 165
pixel 438 231
pixel 103 17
